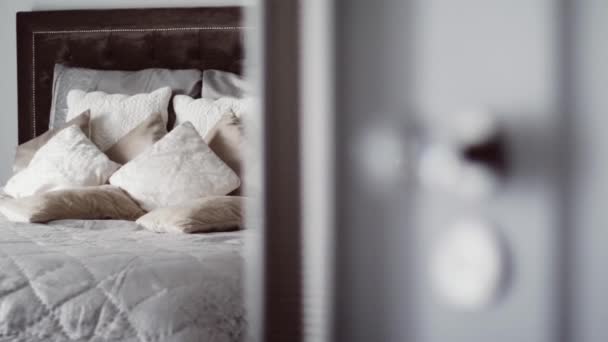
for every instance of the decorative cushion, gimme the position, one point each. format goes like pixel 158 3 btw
pixel 115 115
pixel 226 140
pixel 187 82
pixel 178 168
pixel 218 83
pixel 138 140
pixel 88 203
pixel 205 113
pixel 208 214
pixel 25 152
pixel 68 160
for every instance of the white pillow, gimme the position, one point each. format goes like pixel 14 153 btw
pixel 115 115
pixel 67 160
pixel 218 83
pixel 176 169
pixel 205 113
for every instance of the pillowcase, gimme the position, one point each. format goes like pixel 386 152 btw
pixel 226 140
pixel 25 152
pixel 115 115
pixel 178 168
pixel 138 140
pixel 218 83
pixel 205 113
pixel 89 203
pixel 68 160
pixel 208 214
pixel 187 82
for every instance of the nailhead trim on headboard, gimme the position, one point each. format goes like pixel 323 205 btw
pixel 35 33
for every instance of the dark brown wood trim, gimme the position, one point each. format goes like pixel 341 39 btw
pixel 283 262
pixel 25 77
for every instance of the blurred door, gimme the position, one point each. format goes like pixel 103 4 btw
pixel 452 192
pixel 493 255
pixel 454 171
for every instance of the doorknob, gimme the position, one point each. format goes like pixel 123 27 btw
pixel 466 155
pixel 469 264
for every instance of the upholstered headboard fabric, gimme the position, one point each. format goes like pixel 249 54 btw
pixel 133 39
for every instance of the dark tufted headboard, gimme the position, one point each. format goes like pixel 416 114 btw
pixel 133 39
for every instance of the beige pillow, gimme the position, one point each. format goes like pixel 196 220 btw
pixel 25 152
pixel 178 168
pixel 95 202
pixel 225 139
pixel 138 140
pixel 68 160
pixel 207 214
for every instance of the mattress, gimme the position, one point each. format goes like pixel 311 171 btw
pixel 113 281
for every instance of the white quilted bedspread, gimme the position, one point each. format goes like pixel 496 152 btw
pixel 112 281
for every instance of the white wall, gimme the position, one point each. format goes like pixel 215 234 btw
pixel 590 183
pixel 8 58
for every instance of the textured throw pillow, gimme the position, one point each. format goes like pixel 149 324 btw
pixel 186 82
pixel 178 168
pixel 205 113
pixel 115 115
pixel 208 214
pixel 68 160
pixel 218 83
pixel 138 140
pixel 87 203
pixel 226 140
pixel 25 152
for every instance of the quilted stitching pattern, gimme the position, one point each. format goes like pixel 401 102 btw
pixel 115 115
pixel 112 281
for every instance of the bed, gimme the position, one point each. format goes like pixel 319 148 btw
pixel 111 280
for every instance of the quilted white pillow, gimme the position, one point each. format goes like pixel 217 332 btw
pixel 205 113
pixel 115 115
pixel 67 160
pixel 178 168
